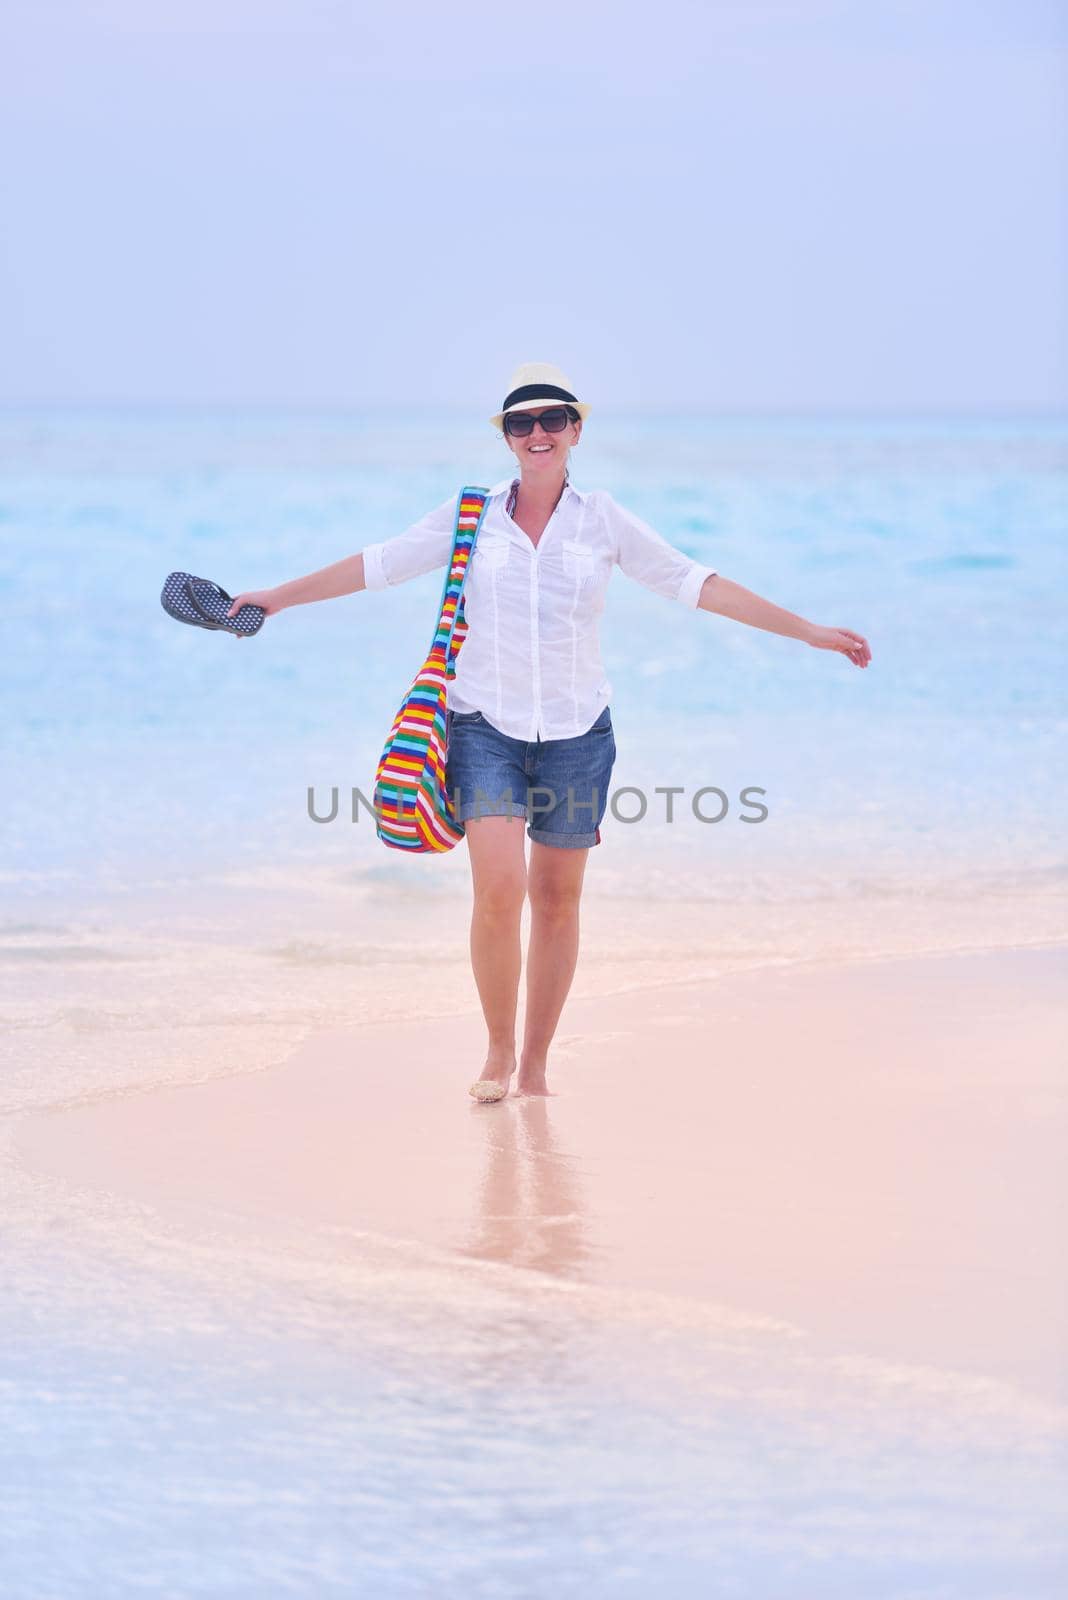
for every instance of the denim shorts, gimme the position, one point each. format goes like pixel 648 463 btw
pixel 559 785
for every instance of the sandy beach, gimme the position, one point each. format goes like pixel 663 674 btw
pixel 871 1153
pixel 766 1298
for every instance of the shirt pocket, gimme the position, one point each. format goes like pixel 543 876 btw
pixel 580 562
pixel 491 551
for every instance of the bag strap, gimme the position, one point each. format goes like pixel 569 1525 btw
pixel 471 506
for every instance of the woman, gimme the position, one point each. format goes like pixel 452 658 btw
pixel 530 732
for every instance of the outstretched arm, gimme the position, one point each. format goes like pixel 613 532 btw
pixel 343 577
pixel 422 547
pixel 729 599
pixel 645 555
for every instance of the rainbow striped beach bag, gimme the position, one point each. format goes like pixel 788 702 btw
pixel 412 806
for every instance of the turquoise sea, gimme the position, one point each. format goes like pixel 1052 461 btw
pixel 135 746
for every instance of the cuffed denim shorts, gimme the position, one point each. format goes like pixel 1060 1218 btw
pixel 559 785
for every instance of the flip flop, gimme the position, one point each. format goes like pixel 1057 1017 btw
pixel 204 604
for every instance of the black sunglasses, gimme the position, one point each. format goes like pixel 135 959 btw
pixel 521 423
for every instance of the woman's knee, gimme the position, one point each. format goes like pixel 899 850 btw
pixel 500 894
pixel 498 865
pixel 554 901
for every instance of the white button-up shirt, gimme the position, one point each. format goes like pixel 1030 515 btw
pixel 531 661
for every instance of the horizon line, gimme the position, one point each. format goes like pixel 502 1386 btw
pixel 399 409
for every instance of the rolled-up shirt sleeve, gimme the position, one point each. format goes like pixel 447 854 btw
pixel 422 547
pixel 646 556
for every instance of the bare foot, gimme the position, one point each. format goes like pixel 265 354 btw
pixel 500 1064
pixel 532 1078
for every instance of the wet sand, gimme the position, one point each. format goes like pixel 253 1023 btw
pixel 873 1153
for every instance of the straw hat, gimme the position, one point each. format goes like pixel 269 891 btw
pixel 536 384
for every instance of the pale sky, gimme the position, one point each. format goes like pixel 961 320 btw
pixel 825 205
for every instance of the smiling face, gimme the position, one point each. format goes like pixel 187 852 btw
pixel 544 453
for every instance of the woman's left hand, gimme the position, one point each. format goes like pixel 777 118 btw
pixel 844 640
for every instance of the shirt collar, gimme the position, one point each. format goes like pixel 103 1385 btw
pixel 505 484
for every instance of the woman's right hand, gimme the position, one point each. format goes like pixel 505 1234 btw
pixel 267 598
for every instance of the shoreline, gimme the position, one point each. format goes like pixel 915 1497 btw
pixel 891 1192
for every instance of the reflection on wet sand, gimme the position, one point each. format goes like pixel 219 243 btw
pixel 527 1206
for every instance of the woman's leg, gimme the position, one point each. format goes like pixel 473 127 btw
pixel 554 885
pixel 499 878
